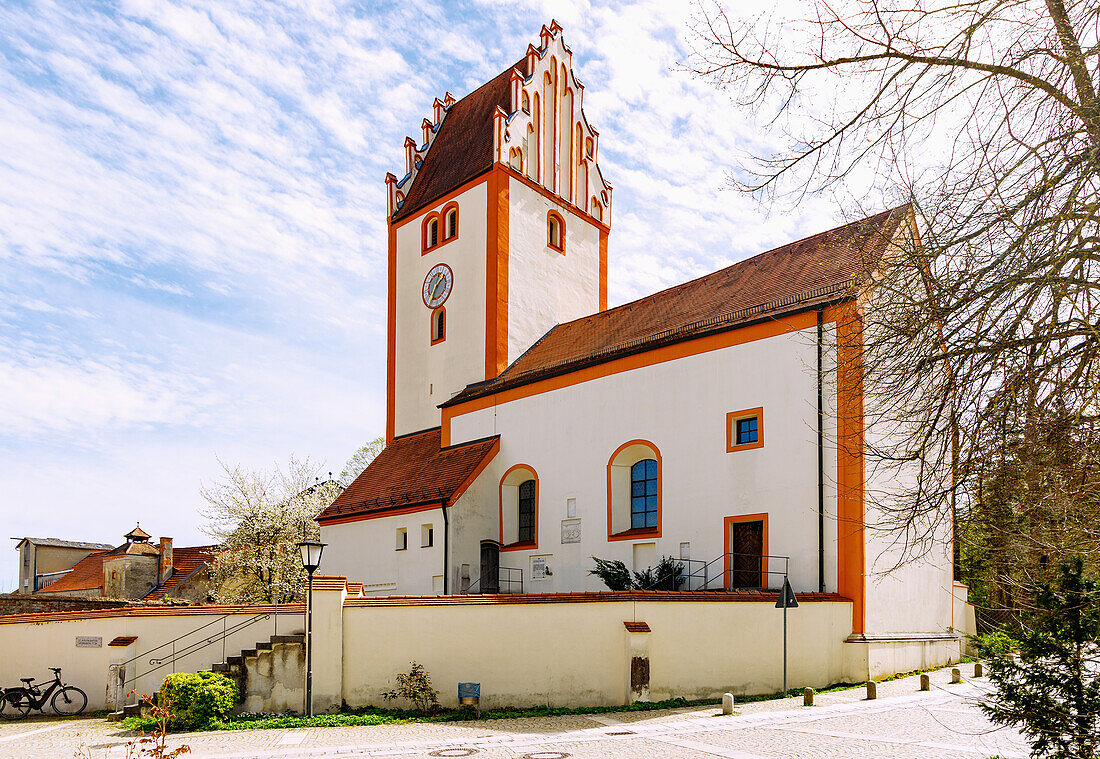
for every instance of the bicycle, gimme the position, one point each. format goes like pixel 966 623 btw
pixel 17 702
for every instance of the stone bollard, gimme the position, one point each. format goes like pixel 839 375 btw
pixel 977 669
pixel 727 703
pixel 872 690
pixel 925 683
pixel 807 696
pixel 956 676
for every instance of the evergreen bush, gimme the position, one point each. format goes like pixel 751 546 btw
pixel 1050 688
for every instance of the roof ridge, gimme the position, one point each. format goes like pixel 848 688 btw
pixel 743 261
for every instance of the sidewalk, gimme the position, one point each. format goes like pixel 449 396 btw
pixel 903 723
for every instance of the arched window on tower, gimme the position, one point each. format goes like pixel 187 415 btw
pixel 431 232
pixel 439 325
pixel 555 231
pixel 450 221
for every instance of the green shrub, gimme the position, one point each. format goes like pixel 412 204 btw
pixel 994 645
pixel 195 699
pixel 416 686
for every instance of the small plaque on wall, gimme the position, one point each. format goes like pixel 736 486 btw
pixel 570 531
pixel 89 641
pixel 540 569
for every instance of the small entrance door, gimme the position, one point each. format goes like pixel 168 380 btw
pixel 490 567
pixel 747 555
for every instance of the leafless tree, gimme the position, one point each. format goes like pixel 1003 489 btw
pixel 984 116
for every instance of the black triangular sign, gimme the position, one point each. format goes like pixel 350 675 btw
pixel 786 597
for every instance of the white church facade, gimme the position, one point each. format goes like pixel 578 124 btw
pixel 531 428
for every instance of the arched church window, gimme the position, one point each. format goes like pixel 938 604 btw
pixel 439 325
pixel 527 511
pixel 526 103
pixel 643 494
pixel 634 491
pixel 519 508
pixel 555 231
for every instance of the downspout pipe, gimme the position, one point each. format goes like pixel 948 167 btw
pixel 446 547
pixel 820 452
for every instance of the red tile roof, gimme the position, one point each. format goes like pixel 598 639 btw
pixel 412 470
pixel 820 269
pixel 463 147
pixel 86 574
pixel 186 561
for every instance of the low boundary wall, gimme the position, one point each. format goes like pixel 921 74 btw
pixel 570 649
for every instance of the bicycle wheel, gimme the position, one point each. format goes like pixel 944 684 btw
pixel 69 701
pixel 15 703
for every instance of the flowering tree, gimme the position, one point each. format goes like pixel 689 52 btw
pixel 259 517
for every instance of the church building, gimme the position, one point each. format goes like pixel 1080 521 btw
pixel 531 428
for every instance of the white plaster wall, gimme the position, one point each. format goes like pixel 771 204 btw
pixel 569 434
pixel 366 552
pixel 425 374
pixel 30 648
pixel 573 654
pixel 545 287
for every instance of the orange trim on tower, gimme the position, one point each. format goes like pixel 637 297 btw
pixel 637 533
pixel 496 275
pixel 500 510
pixel 726 543
pixel 603 269
pixel 851 567
pixel 391 331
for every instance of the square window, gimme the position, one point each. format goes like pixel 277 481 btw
pixel 427 536
pixel 402 539
pixel 746 430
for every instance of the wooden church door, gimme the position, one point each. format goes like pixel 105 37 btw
pixel 747 549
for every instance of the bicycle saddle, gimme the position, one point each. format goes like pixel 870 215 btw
pixel 27 680
pixel 55 670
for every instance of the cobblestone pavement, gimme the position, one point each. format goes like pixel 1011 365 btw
pixel 903 723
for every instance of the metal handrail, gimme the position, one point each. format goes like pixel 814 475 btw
pixel 502 581
pixel 705 574
pixel 159 662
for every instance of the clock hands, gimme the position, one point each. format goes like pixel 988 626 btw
pixel 438 281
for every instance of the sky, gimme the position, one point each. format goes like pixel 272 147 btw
pixel 192 224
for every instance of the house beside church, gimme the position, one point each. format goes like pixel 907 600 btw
pixel 531 428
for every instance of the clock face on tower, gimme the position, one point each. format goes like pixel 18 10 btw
pixel 437 285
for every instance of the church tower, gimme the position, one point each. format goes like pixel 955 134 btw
pixel 497 232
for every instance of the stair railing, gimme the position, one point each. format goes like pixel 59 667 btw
pixel 176 649
pixel 509 580
pixel 708 576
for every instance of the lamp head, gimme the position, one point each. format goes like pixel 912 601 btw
pixel 311 554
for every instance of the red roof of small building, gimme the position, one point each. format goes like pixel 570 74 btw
pixel 463 147
pixel 185 562
pixel 823 268
pixel 411 471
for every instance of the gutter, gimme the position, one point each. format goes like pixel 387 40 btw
pixel 820 455
pixel 446 546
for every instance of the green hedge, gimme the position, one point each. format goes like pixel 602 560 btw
pixel 194 700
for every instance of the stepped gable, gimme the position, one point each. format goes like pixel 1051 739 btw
pixel 413 471
pixel 816 270
pixel 462 148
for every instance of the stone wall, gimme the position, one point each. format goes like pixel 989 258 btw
pixel 19 603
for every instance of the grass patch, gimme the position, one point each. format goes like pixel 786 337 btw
pixel 376 716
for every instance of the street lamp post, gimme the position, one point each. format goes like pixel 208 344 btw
pixel 311 559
